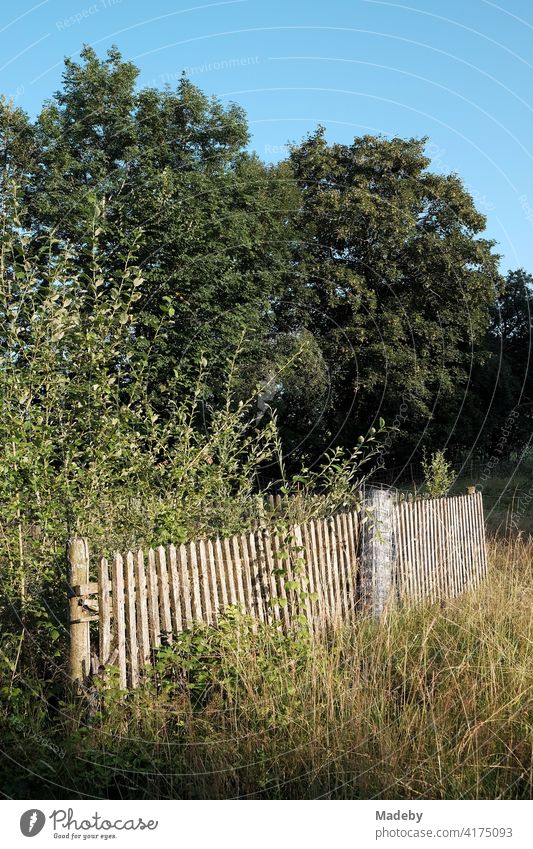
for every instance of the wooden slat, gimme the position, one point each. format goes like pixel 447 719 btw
pixel 185 581
pixel 349 565
pixel 311 575
pixel 229 573
pixel 447 584
pixel 141 600
pixel 104 612
pixel 221 574
pixel 216 603
pixel 350 524
pixel 256 577
pixel 320 578
pixel 450 548
pixel 264 578
pixel 131 623
pixel 400 571
pixel 175 587
pixel 344 565
pixel 303 575
pixel 467 540
pixel 458 542
pixel 164 593
pixel 430 550
pixel 411 591
pixel 325 567
pixel 197 611
pixel 119 621
pixel 85 589
pixel 464 539
pixel 468 508
pixel 320 570
pixel 203 571
pixel 249 594
pixel 481 535
pixel 410 538
pixel 280 564
pixel 336 583
pixel 473 541
pixel 270 580
pixel 477 555
pixel 419 548
pixel 420 545
pixel 237 571
pixel 154 624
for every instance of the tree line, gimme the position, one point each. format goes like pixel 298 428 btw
pixel 342 285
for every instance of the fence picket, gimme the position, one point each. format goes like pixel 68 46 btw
pixel 213 582
pixel 221 573
pixel 344 565
pixel 203 570
pixel 256 577
pixel 154 624
pixel 119 622
pixel 141 601
pixel 351 529
pixel 280 579
pixel 195 580
pixel 228 572
pixel 237 571
pixel 132 654
pixel 183 571
pixel 301 559
pixel 311 575
pixel 104 612
pixel 164 593
pixel 175 595
pixel 270 578
pixel 481 536
pixel 335 580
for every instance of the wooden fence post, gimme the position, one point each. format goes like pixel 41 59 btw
pixel 80 651
pixel 377 551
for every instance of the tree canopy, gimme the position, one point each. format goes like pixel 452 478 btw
pixel 353 281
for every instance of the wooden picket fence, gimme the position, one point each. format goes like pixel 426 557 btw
pixel 440 547
pixel 312 570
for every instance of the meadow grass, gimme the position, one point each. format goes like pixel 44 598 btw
pixel 433 702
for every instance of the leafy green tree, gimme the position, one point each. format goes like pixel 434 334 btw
pixel 502 383
pixel 396 285
pixel 171 166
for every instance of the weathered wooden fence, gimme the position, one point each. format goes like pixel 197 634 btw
pixel 326 570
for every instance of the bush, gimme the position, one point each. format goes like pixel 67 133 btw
pixel 439 476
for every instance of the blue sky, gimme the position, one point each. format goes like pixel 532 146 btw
pixel 458 72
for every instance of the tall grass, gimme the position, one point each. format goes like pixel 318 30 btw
pixel 433 702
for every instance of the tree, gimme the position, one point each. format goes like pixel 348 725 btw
pixel 500 402
pixel 168 169
pixel 395 283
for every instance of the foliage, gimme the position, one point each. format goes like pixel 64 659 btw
pixel 388 251
pixel 86 448
pixel 171 167
pixel 498 408
pixel 439 476
pixel 355 255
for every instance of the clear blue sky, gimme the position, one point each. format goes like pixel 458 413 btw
pixel 459 72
